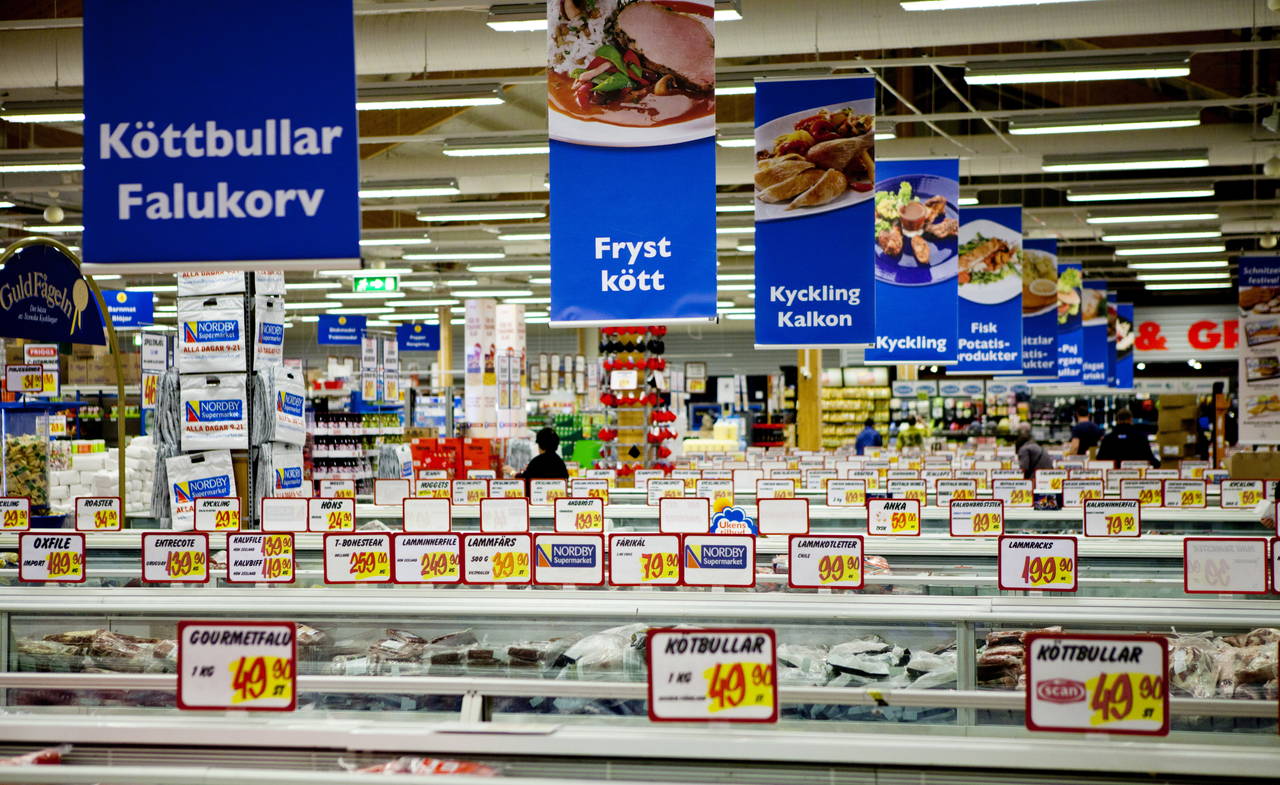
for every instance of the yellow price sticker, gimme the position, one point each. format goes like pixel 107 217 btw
pixel 599 493
pixel 739 684
pixel 1248 498
pixel 963 494
pixel 226 520
pixel 253 678
pixel 1048 570
pixel 185 564
pixel 345 493
pixel 510 564
pixel 555 493
pixel 1121 523
pixel 721 500
pixel 906 521
pixel 918 495
pixel 339 520
pixel 855 497
pixel 834 568
pixel 1090 493
pixel 474 495
pixel 588 520
pixel 105 519
pixel 659 566
pixel 1192 498
pixel 33 382
pixel 65 564
pixel 1020 496
pixel 1149 496
pixel 1056 483
pixel 516 493
pixel 1117 697
pixel 369 564
pixel 15 518
pixel 439 564
pixel 987 523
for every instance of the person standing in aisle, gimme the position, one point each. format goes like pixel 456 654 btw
pixel 1031 456
pixel 1085 433
pixel 1126 442
pixel 547 464
pixel 869 437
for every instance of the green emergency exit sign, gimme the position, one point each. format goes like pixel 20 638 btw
pixel 375 283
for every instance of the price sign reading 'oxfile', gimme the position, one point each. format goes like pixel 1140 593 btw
pixel 246 665
pixel 56 557
pixel 363 557
pixel 1037 563
pixel 644 559
pixel 180 557
pixel 712 675
pixel 828 561
pixel 98 514
pixel 1097 684
pixel 255 557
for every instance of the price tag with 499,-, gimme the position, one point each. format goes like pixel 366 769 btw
pixel 1113 518
pixel 360 557
pixel 55 557
pixel 246 665
pixel 177 557
pixel 898 517
pixel 1036 563
pixel 712 675
pixel 827 561
pixel 497 558
pixel 260 557
pixel 1097 683
pixel 98 514
pixel 644 559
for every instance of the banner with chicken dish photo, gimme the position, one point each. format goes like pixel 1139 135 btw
pixel 991 285
pixel 814 172
pixel 631 118
pixel 1259 299
pixel 1040 308
pixel 916 249
pixel 1113 319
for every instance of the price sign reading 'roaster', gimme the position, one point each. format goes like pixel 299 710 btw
pixel 977 518
pixel 568 559
pixel 54 557
pixel 244 665
pixel 644 559
pixel 1112 518
pixel 363 557
pixel 1226 565
pixel 712 675
pixel 331 515
pixel 1037 563
pixel 179 557
pixel 98 514
pixel 255 557
pixel 218 514
pixel 579 515
pixel 897 517
pixel 497 558
pixel 828 561
pixel 427 558
pixel 1097 683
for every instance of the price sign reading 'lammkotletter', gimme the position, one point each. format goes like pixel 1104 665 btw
pixel 828 561
pixel 427 558
pixel 644 559
pixel 1036 563
pixel 98 514
pixel 1080 683
pixel 1112 518
pixel 178 557
pixel 244 665
pixel 54 557
pixel 256 557
pixel 726 675
pixel 362 557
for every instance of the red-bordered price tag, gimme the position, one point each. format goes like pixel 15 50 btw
pixel 497 558
pixel 52 557
pixel 331 515
pixel 641 477
pixel 175 557
pixel 1275 565
pixel 825 561
pixel 782 516
pixel 689 477
pixel 99 514
pixel 710 675
pixel 977 517
pixel 913 489
pixel 1097 683
pixel 217 514
pixel 719 560
pixel 257 557
pixel 244 665
pixel 15 513
pixel 870 476
pixel 1224 565
pixel 507 489
pixel 1014 493
pixel 1049 480
pixel 427 558
pixel 432 489
pixel 504 515
pixel 1185 494
pixel 1139 466
pixel 1087 474
pixel 432 515
pixel 1076 492
pixel 481 474
pixel 846 493
pixel 24 378
pixel 977 475
pixel 1042 563
pixel 659 488
pixel 1160 474
pixel 359 557
pixel 902 474
pixel 717 490
pixel 951 489
pixel 337 489
pixel 608 475
pixel 546 491
pixel 1117 476
pixel 894 517
pixel 590 488
pixel 469 492
pixel 644 559
pixel 1240 494
pixel 744 480
pixel 579 516
pixel 776 488
pixel 390 492
pixel 817 479
pixel 568 559
pixel 1113 518
pixel 1149 493
pixel 684 515
pixel 284 514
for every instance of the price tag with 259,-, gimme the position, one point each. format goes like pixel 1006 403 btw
pixel 258 557
pixel 1240 494
pixel 98 514
pixel 363 557
pixel 1113 518
pixel 1184 493
pixel 977 517
pixel 497 558
pixel 1097 683
pixel 1224 565
pixel 218 514
pixel 897 517
pixel 428 558
pixel 247 665
pixel 712 675
pixel 825 561
pixel 1036 563
pixel 331 515
pixel 579 515
pixel 175 557
pixel 55 557
pixel 644 559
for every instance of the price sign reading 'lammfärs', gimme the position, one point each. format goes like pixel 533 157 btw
pixel 246 665
pixel 1097 684
pixel 727 675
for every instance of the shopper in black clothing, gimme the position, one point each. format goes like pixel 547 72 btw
pixel 1085 433
pixel 547 464
pixel 1031 456
pixel 1126 442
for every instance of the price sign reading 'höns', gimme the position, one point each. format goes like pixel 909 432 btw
pixel 244 665
pixel 337 489
pixel 497 558
pixel 284 513
pixel 568 559
pixel 55 557
pixel 1184 493
pixel 827 561
pixel 896 517
pixel 1076 492
pixel 644 559
pixel 1097 683
pixel 579 515
pixel 1036 563
pixel 1112 518
pixel 256 557
pixel 590 488
pixel 98 514
pixel 218 514
pixel 1224 565
pixel 427 558
pixel 977 517
pixel 1014 493
pixel 1240 494
pixel 178 557
pixel 782 516
pixel 331 515
pixel 719 560
pixel 846 493
pixel 432 515
pixel 713 675
pixel 1149 493
pixel 363 557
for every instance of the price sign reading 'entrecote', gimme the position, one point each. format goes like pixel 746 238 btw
pixel 1225 565
pixel 55 557
pixel 1036 563
pixel 497 558
pixel 98 514
pixel 1112 518
pixel 1097 684
pixel 218 514
pixel 712 675
pixel 255 557
pixel 644 559
pixel 828 561
pixel 175 558
pixel 428 558
pixel 977 517
pixel 363 557
pixel 897 517
pixel 246 665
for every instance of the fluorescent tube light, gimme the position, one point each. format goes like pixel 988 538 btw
pixel 366 271
pixel 417 284
pixel 391 190
pixel 459 282
pixel 956 5
pixel 1076 69
pixel 427 317
pixel 450 257
pixel 430 303
pixel 532 17
pixel 541 281
pixel 496 293
pixel 307 318
pixel 729 141
pixel 1157 287
pixel 1207 263
pixel 968 201
pixel 403 99
pixel 735 230
pixel 1100 123
pixel 153 288
pixel 20 116
pixel 884 130
pixel 736 277
pixel 303 286
pixel 525 237
pixel 364 295
pixel 1183 276
pixel 736 89
pixel 746 248
pixel 1136 192
pixel 54 228
pixel 288 306
pixel 1150 218
pixel 13 167
pixel 392 242
pixel 1170 250
pixel 527 300
pixel 479 213
pixel 1112 162
pixel 743 317
pixel 469 148
pixel 734 207
pixel 1127 238
pixel 509 268
pixel 362 309
pixel 376 323
pixel 107 277
pixel 4 204
pixel 725 303
pixel 736 287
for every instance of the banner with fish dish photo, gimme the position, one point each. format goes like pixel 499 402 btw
pixel 1093 317
pixel 916 250
pixel 813 173
pixel 631 119
pixel 1070 329
pixel 1040 308
pixel 990 278
pixel 1113 318
pixel 1259 300
pixel 1125 336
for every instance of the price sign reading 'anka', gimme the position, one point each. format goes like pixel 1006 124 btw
pixel 98 514
pixel 579 515
pixel 497 558
pixel 712 675
pixel 1097 684
pixel 1036 563
pixel 896 517
pixel 1112 518
pixel 54 557
pixel 644 559
pixel 1224 565
pixel 218 514
pixel 180 557
pixel 428 558
pixel 977 518
pixel 828 561
pixel 255 557
pixel 363 557
pixel 246 665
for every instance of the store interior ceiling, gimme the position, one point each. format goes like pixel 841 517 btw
pixel 1156 174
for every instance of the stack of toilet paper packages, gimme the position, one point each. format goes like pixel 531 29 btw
pixel 97 474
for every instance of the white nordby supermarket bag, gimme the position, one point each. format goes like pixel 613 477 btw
pixel 211 334
pixel 204 283
pixel 197 476
pixel 215 412
pixel 268 331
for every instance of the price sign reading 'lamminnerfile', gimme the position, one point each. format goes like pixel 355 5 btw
pixel 827 561
pixel 98 514
pixel 710 675
pixel 1036 563
pixel 53 557
pixel 1112 518
pixel 427 558
pixel 244 665
pixel 256 557
pixel 1225 565
pixel 1097 684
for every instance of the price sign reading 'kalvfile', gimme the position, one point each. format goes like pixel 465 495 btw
pixel 827 561
pixel 428 558
pixel 54 557
pixel 244 665
pixel 178 557
pixel 98 514
pixel 727 675
pixel 644 559
pixel 255 557
pixel 1036 563
pixel 1097 684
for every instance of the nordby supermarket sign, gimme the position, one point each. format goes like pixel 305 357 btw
pixel 1202 333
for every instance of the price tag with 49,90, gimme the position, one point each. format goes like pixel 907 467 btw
pixel 247 665
pixel 712 675
pixel 1097 683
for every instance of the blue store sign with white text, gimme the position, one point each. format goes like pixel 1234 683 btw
pixel 44 297
pixel 129 309
pixel 340 330
pixel 1093 316
pixel 418 337
pixel 1040 308
pixel 1070 329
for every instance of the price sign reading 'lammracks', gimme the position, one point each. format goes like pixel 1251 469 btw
pixel 1036 563
pixel 245 665
pixel 1097 683
pixel 727 675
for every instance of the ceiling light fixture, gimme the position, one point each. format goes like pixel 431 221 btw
pixel 1149 218
pixel 1160 287
pixel 365 271
pixel 1135 192
pixel 4 204
pixel 54 228
pixel 362 309
pixel 884 130
pixel 746 248
pixel 160 288
pixel 541 281
pixel 1076 69
pixel 509 268
pixel 1183 276
pixel 532 17
pixel 392 242
pixel 748 88
pixel 44 112
pixel 452 257
pixel 736 141
pixel 736 287
pixel 18 166
pixel 527 300
pixel 735 207
pixel 402 96
pixel 1205 264
pixel 525 237
pixel 364 295
pixel 959 5
pixel 1170 250
pixel 968 201
pixel 288 306
pixel 446 186
pixel 470 148
pixel 478 212
pixel 1124 161
pixel 496 293
pixel 1128 238
pixel 305 285
pixel 107 277
pixel 428 303
pixel 736 277
pixel 1087 123
pixel 735 230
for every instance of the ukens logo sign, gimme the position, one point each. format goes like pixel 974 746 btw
pixel 224 169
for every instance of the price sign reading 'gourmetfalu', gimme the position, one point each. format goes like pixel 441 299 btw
pixel 727 675
pixel 1097 684
pixel 244 665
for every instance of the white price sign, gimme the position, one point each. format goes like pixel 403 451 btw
pixel 15 513
pixel 576 516
pixel 718 491
pixel 896 517
pixel 568 559
pixel 725 675
pixel 719 560
pixel 1097 683
pixel 218 514
pixel 507 489
pixel 427 558
pixel 244 665
pixel 504 515
pixel 642 477
pixel 783 516
pixel 958 490
pixel 1147 492
pixel 331 515
pixel 915 490
pixel 390 491
pixel 497 558
pixel 684 515
pixel 175 558
pixel 1036 563
pixel 1224 565
pixel 846 493
pixel 1076 492
pixel 1240 494
pixel 338 489
pixel 24 378
pixel 1049 480
pixel 98 514
pixel 363 557
pixel 255 557
pixel 1184 494
pixel 469 492
pixel 977 517
pixel 430 515
pixel 546 491
pixel 644 559
pixel 1112 518
pixel 658 489
pixel 284 514
pixel 432 489
pixel 590 488
pixel 827 561
pixel 1014 493
pixel 53 557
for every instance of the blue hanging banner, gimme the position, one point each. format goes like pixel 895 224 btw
pixel 814 172
pixel 1093 316
pixel 130 309
pixel 340 330
pixel 1125 336
pixel 225 168
pixel 631 116
pixel 1040 308
pixel 1112 319
pixel 44 297
pixel 1070 330
pixel 990 315
pixel 418 337
pixel 917 222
